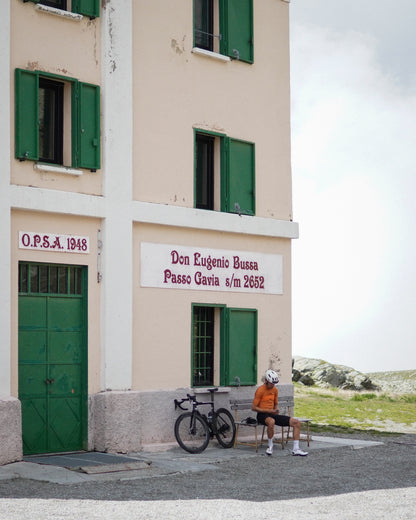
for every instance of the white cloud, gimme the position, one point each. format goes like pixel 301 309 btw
pixel 354 178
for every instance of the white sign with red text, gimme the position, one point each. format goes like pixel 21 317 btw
pixel 53 242
pixel 182 267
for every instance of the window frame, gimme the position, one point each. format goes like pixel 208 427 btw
pixel 85 119
pixel 205 176
pixel 56 120
pixel 228 181
pixel 236 28
pixel 206 22
pixel 224 351
pixel 89 8
pixel 50 3
pixel 197 352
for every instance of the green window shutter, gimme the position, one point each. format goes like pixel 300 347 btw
pixel 89 8
pixel 26 115
pixel 88 127
pixel 240 350
pixel 239 177
pixel 236 27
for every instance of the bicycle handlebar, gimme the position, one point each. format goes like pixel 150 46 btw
pixel 192 398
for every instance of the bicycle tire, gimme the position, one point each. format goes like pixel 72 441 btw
pixel 192 432
pixel 223 426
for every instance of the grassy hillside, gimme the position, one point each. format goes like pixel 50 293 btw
pixel 391 410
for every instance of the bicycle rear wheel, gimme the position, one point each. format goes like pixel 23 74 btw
pixel 223 427
pixel 192 432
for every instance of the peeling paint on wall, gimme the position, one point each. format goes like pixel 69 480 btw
pixel 178 47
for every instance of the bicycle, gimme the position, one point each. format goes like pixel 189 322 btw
pixel 193 430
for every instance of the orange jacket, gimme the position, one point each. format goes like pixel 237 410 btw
pixel 265 398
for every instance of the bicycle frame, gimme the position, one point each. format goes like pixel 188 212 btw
pixel 195 404
pixel 194 429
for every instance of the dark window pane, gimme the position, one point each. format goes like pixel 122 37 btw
pixel 63 280
pixel 203 24
pixel 50 121
pixel 23 278
pixel 203 346
pixel 59 4
pixel 204 172
pixel 53 284
pixel 72 280
pixel 78 281
pixel 43 276
pixel 34 278
pixel 75 280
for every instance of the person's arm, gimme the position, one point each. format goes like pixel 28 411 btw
pixel 264 410
pixel 276 406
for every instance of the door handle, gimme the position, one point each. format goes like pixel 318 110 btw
pixel 49 381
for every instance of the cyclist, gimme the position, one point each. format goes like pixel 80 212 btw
pixel 265 404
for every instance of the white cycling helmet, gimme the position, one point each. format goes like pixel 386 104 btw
pixel 272 377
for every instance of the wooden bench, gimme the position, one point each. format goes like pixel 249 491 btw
pixel 242 411
pixel 244 405
pixel 286 406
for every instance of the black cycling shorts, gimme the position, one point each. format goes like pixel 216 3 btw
pixel 279 420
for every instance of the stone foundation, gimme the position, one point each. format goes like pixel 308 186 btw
pixel 122 422
pixel 10 430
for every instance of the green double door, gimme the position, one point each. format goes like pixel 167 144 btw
pixel 53 357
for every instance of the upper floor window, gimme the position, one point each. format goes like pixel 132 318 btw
pixel 57 120
pixel 224 174
pixel 90 8
pixel 59 4
pixel 225 27
pixel 51 115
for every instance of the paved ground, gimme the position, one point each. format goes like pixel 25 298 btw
pixel 358 477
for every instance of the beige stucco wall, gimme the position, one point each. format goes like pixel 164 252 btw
pixel 71 49
pixel 66 225
pixel 176 91
pixel 162 317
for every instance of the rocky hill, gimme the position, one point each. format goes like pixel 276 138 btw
pixel 321 373
pixel 400 382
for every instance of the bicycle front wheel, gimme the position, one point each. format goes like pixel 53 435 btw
pixel 223 426
pixel 191 432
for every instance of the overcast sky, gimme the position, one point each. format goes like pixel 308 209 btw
pixel 353 78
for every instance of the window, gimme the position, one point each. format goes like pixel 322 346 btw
pixel 49 279
pixel 57 120
pixel 90 8
pixel 203 346
pixel 204 149
pixel 224 346
pixel 51 96
pixel 224 174
pixel 59 4
pixel 225 27
pixel 204 24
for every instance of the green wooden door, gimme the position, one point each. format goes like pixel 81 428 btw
pixel 52 357
pixel 240 349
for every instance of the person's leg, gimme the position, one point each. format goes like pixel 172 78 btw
pixel 295 424
pixel 296 428
pixel 270 422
